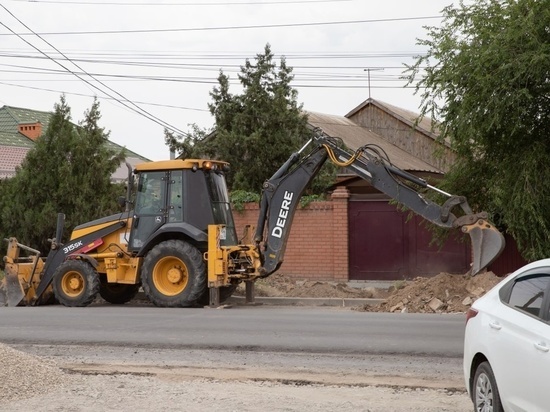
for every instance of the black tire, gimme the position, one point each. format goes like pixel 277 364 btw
pixel 485 393
pixel 75 283
pixel 117 293
pixel 47 298
pixel 225 293
pixel 174 274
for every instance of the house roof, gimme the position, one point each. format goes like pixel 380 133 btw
pixel 412 119
pixel 10 158
pixel 355 136
pixel 14 139
pixel 11 117
pixel 14 145
pixel 406 116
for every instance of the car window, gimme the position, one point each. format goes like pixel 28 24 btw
pixel 528 293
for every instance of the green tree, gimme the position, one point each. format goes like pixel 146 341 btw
pixel 486 79
pixel 255 131
pixel 68 171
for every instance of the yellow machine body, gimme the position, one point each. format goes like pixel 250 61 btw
pixel 111 255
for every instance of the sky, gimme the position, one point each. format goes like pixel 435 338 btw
pixel 152 64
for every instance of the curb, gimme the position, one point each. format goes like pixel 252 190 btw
pixel 333 302
pixel 286 301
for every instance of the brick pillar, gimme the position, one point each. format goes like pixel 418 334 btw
pixel 340 228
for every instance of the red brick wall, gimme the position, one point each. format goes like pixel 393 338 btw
pixel 317 247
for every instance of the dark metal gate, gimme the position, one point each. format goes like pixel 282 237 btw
pixel 385 245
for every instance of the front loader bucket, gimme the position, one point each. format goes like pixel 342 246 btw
pixel 487 244
pixel 11 291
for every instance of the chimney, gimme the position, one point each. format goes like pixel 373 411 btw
pixel 31 130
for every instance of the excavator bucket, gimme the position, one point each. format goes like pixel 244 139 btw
pixel 487 244
pixel 11 291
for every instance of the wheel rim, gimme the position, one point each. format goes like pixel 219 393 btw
pixel 484 394
pixel 72 284
pixel 170 276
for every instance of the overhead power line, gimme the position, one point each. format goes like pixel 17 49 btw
pixel 308 76
pixel 206 3
pixel 197 65
pixel 106 98
pixel 251 27
pixel 103 56
pixel 219 55
pixel 125 101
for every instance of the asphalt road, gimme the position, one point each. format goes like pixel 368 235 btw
pixel 254 328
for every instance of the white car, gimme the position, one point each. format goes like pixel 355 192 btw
pixel 507 343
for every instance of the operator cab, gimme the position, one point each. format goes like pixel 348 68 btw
pixel 184 196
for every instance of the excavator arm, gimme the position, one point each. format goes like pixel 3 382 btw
pixel 282 193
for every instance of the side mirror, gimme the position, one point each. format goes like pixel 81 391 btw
pixel 122 202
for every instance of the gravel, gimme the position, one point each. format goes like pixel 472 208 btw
pixel 91 378
pixel 23 375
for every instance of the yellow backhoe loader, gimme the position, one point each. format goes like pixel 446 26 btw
pixel 176 238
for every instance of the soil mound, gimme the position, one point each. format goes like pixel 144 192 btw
pixel 444 293
pixel 279 285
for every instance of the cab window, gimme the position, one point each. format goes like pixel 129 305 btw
pixel 150 193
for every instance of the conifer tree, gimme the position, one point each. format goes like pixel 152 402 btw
pixel 255 131
pixel 67 171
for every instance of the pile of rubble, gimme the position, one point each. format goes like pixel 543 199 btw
pixel 444 293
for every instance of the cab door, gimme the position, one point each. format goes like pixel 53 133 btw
pixel 150 209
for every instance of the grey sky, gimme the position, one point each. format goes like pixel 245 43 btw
pixel 169 73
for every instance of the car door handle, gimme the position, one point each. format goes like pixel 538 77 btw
pixel 495 325
pixel 542 346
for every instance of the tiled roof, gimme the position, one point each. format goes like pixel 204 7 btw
pixel 129 153
pixel 10 158
pixel 10 137
pixel 15 115
pixel 14 139
pixel 355 136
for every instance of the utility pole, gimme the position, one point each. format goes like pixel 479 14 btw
pixel 368 70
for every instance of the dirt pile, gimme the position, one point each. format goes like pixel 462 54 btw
pixel 279 285
pixel 444 293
